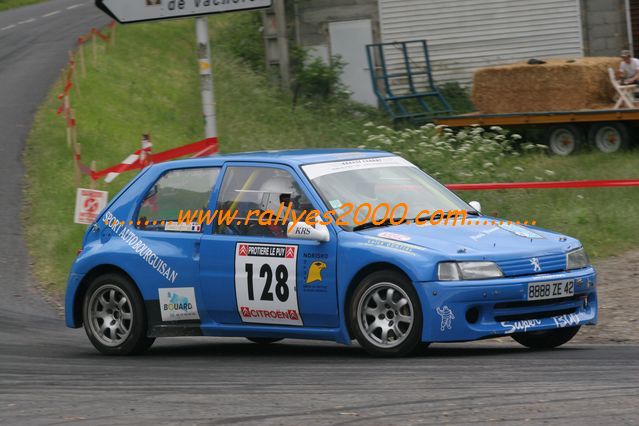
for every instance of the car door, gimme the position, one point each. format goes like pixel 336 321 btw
pixel 167 251
pixel 252 272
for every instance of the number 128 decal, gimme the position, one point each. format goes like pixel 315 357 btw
pixel 266 282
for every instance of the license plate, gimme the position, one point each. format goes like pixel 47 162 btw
pixel 551 290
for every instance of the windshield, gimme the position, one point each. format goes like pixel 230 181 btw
pixel 390 180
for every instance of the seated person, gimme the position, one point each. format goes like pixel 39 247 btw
pixel 268 197
pixel 628 69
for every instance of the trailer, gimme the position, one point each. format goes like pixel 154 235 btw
pixel 407 92
pixel 609 130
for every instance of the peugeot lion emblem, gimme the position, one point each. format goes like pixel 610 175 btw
pixel 535 263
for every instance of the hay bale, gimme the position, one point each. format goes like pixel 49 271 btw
pixel 558 85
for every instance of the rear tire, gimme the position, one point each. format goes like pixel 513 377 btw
pixel 114 316
pixel 264 340
pixel 546 339
pixel 609 137
pixel 565 139
pixel 385 315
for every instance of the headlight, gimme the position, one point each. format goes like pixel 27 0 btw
pixel 577 259
pixel 455 271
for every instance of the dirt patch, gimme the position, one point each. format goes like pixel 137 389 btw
pixel 618 290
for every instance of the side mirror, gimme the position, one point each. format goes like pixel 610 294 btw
pixel 304 231
pixel 476 205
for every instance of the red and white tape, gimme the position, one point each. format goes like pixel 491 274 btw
pixel 144 156
pixel 139 157
pixel 543 185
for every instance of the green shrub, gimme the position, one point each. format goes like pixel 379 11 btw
pixel 315 79
pixel 458 97
pixel 242 37
pixel 471 154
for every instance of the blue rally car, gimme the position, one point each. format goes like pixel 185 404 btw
pixel 392 287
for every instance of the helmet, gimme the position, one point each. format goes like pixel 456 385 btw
pixel 277 190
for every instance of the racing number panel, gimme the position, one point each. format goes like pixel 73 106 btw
pixel 266 283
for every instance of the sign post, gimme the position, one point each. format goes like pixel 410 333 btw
pixel 206 76
pixel 129 11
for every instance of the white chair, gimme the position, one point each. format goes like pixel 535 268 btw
pixel 626 92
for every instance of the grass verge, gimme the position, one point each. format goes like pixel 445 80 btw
pixel 148 84
pixel 10 4
pixel 604 219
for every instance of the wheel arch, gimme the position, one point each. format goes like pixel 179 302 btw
pixel 359 276
pixel 86 281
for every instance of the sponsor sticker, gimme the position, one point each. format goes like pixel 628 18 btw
pixel 314 171
pixel 567 320
pixel 266 283
pixel 182 227
pixel 178 304
pixel 140 247
pixel 315 275
pixel 483 234
pixel 400 246
pixel 336 204
pixel 315 272
pixel 520 326
pixel 520 231
pixel 447 318
pixel 393 236
pixel 248 313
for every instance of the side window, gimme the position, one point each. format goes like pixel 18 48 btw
pixel 183 189
pixel 253 192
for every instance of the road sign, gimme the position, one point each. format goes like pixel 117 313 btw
pixel 127 11
pixel 88 204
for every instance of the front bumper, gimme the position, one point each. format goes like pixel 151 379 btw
pixel 472 310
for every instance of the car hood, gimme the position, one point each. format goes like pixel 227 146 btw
pixel 489 241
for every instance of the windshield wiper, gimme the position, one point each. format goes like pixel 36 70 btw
pixel 386 222
pixel 424 219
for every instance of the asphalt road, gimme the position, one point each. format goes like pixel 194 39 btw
pixel 49 374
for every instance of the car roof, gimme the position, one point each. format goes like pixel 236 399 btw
pixel 291 157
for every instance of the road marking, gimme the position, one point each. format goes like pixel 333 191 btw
pixel 74 6
pixel 27 21
pixel 8 27
pixel 55 12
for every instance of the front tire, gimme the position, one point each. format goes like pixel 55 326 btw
pixel 546 339
pixel 385 315
pixel 114 316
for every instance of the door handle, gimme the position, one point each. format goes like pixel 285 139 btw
pixel 196 251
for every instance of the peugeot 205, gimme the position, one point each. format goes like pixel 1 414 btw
pixel 393 286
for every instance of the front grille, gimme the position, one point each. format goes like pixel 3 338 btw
pixel 524 266
pixel 535 303
pixel 535 315
pixel 536 309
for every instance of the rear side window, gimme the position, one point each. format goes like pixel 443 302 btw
pixel 183 189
